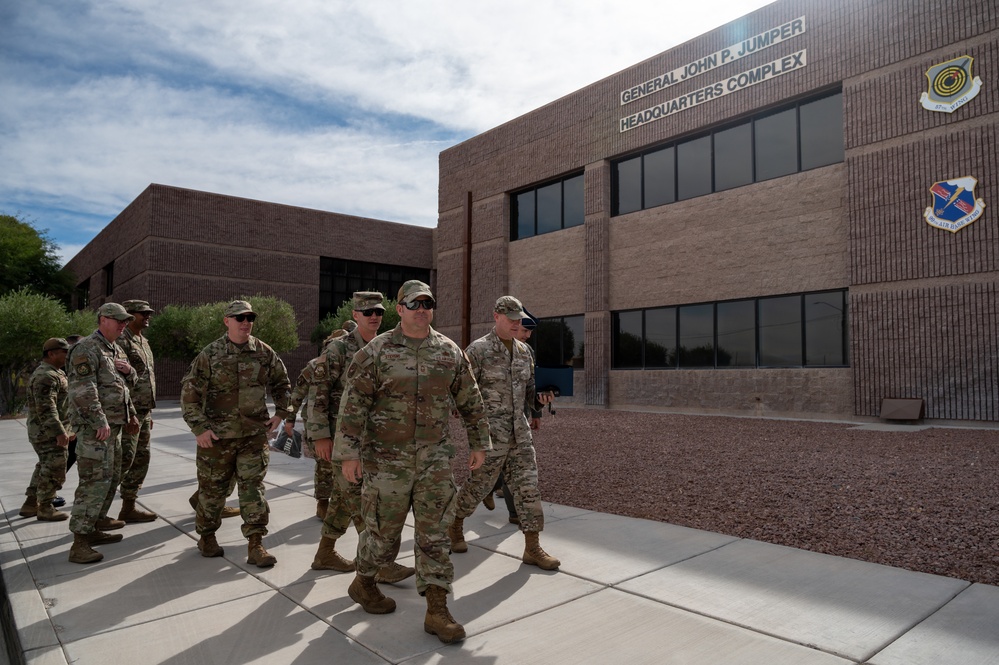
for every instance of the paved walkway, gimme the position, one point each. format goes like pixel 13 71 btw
pixel 629 591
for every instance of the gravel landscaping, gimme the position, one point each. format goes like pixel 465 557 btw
pixel 921 499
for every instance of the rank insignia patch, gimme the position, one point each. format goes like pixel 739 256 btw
pixel 951 85
pixel 954 204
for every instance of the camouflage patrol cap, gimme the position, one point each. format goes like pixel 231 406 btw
pixel 141 306
pixel 412 290
pixel 113 310
pixel 368 300
pixel 239 307
pixel 53 343
pixel 529 322
pixel 509 306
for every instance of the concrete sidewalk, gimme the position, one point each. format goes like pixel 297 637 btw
pixel 629 591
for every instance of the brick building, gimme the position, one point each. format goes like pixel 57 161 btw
pixel 742 223
pixel 179 246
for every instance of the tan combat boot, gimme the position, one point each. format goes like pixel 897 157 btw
pixel 365 593
pixel 30 507
pixel 98 537
pixel 454 531
pixel 535 556
pixel 489 502
pixel 108 524
pixel 230 511
pixel 393 572
pixel 322 505
pixel 439 621
pixel 46 513
pixel 209 547
pixel 130 514
pixel 82 552
pixel 256 554
pixel 327 558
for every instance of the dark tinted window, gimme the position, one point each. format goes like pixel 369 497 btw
pixel 660 337
pixel 550 208
pixel 660 178
pixel 693 164
pixel 825 328
pixel 777 145
pixel 780 331
pixel 629 186
pixel 576 326
pixel 628 340
pixel 573 202
pixel 733 157
pixel 525 214
pixel 822 132
pixel 697 327
pixel 737 334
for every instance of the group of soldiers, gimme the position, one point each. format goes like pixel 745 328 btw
pixel 376 410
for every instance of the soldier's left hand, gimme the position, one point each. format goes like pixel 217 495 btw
pixel 123 366
pixel 274 423
pixel 476 458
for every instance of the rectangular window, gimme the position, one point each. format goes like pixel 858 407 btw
pixel 660 337
pixel 83 294
pixel 777 144
pixel 737 334
pixel 559 341
pixel 733 157
pixel 659 178
pixel 628 339
pixel 693 167
pixel 340 278
pixel 780 331
pixel 697 335
pixel 547 208
pixel 629 185
pixel 109 279
pixel 822 132
pixel 825 329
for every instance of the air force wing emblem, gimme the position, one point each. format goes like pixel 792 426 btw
pixel 951 85
pixel 954 204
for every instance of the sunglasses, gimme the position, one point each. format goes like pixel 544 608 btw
pixel 245 317
pixel 417 304
pixel 372 312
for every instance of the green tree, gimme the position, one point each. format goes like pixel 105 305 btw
pixel 28 259
pixel 181 331
pixel 80 322
pixel 27 319
pixel 345 313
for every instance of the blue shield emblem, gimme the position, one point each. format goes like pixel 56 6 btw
pixel 954 204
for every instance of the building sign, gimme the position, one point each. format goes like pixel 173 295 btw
pixel 754 44
pixel 951 85
pixel 746 79
pixel 954 204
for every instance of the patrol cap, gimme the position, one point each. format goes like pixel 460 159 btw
pixel 529 322
pixel 412 290
pixel 53 343
pixel 510 307
pixel 113 310
pixel 368 300
pixel 133 306
pixel 239 307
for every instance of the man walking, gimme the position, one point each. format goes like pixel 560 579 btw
pixel 224 401
pixel 135 447
pixel 48 431
pixel 100 406
pixel 504 370
pixel 393 419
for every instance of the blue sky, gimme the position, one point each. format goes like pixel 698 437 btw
pixel 327 104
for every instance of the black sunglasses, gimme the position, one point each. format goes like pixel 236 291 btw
pixel 372 312
pixel 245 317
pixel 417 304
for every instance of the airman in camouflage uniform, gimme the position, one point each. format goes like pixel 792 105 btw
pixel 327 389
pixel 301 398
pixel 48 431
pixel 135 451
pixel 100 406
pixel 393 416
pixel 223 399
pixel 504 369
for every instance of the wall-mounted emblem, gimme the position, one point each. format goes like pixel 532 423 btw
pixel 954 204
pixel 951 85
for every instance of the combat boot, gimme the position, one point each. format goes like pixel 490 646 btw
pixel 209 547
pixel 46 513
pixel 230 511
pixel 439 621
pixel 98 537
pixel 256 554
pixel 322 505
pixel 82 552
pixel 535 556
pixel 30 507
pixel 393 572
pixel 454 531
pixel 130 514
pixel 489 502
pixel 365 593
pixel 327 558
pixel 109 524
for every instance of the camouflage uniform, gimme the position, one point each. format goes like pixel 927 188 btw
pixel 328 384
pixel 301 398
pixel 135 453
pixel 393 416
pixel 99 397
pixel 48 406
pixel 225 391
pixel 506 381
